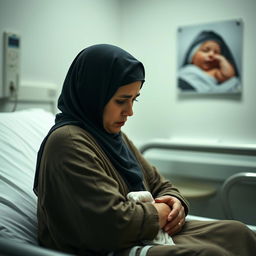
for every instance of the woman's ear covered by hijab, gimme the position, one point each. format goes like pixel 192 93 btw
pixel 93 78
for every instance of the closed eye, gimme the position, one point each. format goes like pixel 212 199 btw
pixel 120 102
pixel 206 49
pixel 126 98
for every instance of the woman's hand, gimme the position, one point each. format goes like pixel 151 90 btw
pixel 176 217
pixel 163 212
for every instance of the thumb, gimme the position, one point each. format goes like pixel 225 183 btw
pixel 164 199
pixel 159 199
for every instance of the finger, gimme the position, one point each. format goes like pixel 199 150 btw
pixel 174 230
pixel 165 199
pixel 173 214
pixel 171 224
pixel 218 56
pixel 177 228
pixel 177 209
pixel 180 218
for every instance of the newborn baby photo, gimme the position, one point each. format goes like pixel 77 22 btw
pixel 209 58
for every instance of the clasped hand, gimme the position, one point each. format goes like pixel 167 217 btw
pixel 176 215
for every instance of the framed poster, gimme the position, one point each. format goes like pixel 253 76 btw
pixel 210 58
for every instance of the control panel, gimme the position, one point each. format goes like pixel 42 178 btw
pixel 11 64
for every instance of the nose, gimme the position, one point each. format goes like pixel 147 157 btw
pixel 211 54
pixel 128 111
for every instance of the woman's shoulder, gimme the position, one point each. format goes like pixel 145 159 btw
pixel 71 136
pixel 66 132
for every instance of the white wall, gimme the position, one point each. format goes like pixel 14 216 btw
pixel 149 31
pixel 54 31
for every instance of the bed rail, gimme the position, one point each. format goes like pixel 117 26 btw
pixel 235 149
pixel 248 178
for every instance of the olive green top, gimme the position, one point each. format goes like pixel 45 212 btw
pixel 82 204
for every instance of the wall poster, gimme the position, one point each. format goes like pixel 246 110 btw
pixel 210 58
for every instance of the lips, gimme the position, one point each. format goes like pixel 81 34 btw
pixel 211 62
pixel 120 123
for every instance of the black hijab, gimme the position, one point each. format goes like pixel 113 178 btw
pixel 93 78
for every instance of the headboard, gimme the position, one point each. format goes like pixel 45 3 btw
pixel 32 95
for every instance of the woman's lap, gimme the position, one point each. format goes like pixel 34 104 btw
pixel 208 238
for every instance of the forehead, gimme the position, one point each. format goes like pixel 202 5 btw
pixel 211 44
pixel 129 89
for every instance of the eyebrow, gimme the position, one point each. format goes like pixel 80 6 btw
pixel 127 96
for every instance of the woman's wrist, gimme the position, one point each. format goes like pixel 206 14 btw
pixel 163 212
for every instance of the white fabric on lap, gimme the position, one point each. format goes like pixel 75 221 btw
pixel 162 238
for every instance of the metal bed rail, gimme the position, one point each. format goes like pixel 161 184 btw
pixel 248 178
pixel 230 182
pixel 235 149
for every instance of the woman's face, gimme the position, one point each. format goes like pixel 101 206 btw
pixel 120 106
pixel 204 58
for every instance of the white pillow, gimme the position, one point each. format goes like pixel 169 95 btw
pixel 21 134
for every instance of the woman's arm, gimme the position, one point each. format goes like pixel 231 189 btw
pixel 172 214
pixel 163 192
pixel 157 184
pixel 82 201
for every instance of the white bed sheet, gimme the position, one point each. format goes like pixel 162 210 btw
pixel 21 134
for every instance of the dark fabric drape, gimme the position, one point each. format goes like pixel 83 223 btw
pixel 92 79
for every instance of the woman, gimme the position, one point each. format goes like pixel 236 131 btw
pixel 86 167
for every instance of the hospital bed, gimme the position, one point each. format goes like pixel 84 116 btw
pixel 192 164
pixel 21 133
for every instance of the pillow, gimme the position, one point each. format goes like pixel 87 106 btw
pixel 21 134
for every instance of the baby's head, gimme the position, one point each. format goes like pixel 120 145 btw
pixel 204 46
pixel 203 55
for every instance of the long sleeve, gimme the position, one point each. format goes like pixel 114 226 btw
pixel 154 181
pixel 82 203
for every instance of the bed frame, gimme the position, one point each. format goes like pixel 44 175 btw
pixel 229 183
pixel 21 134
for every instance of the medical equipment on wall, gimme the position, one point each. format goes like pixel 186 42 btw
pixel 11 65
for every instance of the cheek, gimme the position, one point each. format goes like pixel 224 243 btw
pixel 111 113
pixel 198 59
pixel 106 115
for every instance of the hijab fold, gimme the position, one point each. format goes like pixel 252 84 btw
pixel 92 79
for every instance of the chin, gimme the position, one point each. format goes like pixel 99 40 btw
pixel 114 131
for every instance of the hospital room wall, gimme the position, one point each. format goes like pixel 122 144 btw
pixel 53 32
pixel 149 30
